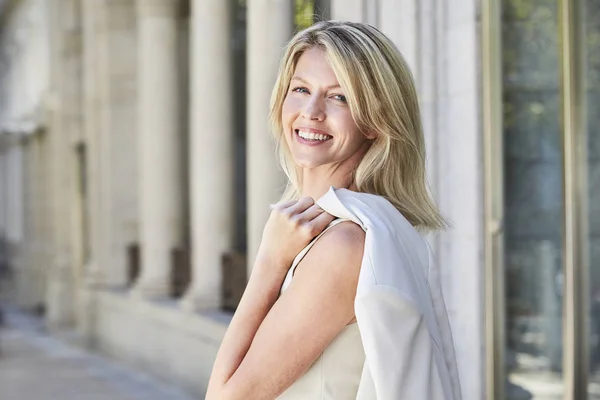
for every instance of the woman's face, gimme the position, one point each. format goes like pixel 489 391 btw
pixel 317 123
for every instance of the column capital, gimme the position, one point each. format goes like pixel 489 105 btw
pixel 159 8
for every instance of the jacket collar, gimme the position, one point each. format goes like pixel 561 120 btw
pixel 331 203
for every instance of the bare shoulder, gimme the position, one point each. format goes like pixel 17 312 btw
pixel 346 239
pixel 336 257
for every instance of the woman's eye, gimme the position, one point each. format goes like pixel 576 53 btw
pixel 340 97
pixel 300 90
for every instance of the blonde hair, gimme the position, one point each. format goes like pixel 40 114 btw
pixel 382 98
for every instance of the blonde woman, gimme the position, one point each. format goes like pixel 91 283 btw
pixel 343 301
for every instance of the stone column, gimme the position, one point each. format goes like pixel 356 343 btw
pixel 94 126
pixel 159 143
pixel 122 162
pixel 72 119
pixel 4 210
pixel 43 247
pixel 459 127
pixel 348 10
pixel 13 195
pixel 109 68
pixel 3 189
pixel 3 204
pixel 94 72
pixel 15 191
pixel 60 290
pixel 211 150
pixel 270 26
pixel 25 280
pixel 399 20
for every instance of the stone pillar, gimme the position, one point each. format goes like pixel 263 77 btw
pixel 348 10
pixel 459 127
pixel 60 290
pixel 14 191
pixel 399 20
pixel 4 292
pixel 25 280
pixel 159 143
pixel 31 282
pixel 3 189
pixel 270 26
pixel 4 200
pixel 122 160
pixel 13 194
pixel 211 150
pixel 94 84
pixel 94 72
pixel 43 246
pixel 109 68
pixel 72 120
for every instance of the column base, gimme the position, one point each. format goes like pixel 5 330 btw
pixel 92 275
pixel 86 311
pixel 60 293
pixel 195 300
pixel 149 291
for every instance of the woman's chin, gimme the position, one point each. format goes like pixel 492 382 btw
pixel 309 163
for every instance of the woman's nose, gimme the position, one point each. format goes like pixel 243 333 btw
pixel 313 110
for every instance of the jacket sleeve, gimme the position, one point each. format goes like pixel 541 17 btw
pixel 399 352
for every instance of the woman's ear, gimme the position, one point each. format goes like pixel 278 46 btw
pixel 371 135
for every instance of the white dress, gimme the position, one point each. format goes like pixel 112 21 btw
pixel 336 374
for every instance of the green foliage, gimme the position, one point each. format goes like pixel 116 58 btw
pixel 304 13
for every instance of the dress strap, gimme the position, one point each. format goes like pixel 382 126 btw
pixel 305 250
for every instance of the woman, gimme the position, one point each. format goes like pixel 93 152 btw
pixel 343 301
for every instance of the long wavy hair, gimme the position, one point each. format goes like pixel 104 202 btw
pixel 382 98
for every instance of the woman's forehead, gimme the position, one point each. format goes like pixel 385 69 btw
pixel 313 67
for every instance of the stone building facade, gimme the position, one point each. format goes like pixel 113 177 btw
pixel 136 170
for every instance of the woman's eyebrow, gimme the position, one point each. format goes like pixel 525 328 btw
pixel 299 78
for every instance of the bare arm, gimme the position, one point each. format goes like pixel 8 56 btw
pixel 271 342
pixel 258 298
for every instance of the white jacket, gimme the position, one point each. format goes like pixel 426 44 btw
pixel 399 306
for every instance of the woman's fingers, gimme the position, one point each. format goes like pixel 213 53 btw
pixel 320 222
pixel 306 213
pixel 291 225
pixel 283 205
pixel 299 207
pixel 309 214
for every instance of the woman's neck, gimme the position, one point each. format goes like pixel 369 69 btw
pixel 316 187
pixel 317 181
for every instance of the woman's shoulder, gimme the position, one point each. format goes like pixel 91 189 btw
pixel 345 233
pixel 338 251
pixel 330 270
pixel 343 241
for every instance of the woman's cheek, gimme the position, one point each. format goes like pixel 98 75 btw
pixel 287 110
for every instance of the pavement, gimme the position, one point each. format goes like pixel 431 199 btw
pixel 37 366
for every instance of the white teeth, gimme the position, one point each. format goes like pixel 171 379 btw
pixel 312 136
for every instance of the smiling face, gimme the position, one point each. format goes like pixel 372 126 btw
pixel 317 123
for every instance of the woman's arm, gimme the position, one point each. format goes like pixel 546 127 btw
pixel 271 343
pixel 258 298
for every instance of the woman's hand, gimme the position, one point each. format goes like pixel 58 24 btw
pixel 291 226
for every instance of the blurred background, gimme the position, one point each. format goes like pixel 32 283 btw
pixel 136 169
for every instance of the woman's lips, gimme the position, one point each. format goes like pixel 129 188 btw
pixel 318 140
